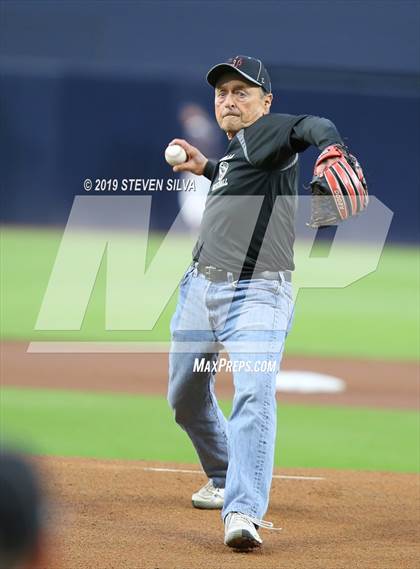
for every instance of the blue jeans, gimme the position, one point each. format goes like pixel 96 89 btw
pixel 251 320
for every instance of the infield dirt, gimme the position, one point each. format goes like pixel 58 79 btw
pixel 369 383
pixel 117 515
pixel 111 515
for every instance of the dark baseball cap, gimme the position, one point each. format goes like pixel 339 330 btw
pixel 250 68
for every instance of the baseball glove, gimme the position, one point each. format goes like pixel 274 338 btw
pixel 339 191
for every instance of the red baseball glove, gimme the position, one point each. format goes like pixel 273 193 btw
pixel 338 187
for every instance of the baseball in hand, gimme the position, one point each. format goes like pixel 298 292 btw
pixel 175 155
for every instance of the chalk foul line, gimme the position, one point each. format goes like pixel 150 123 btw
pixel 182 471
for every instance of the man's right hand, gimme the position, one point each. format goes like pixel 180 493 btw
pixel 195 160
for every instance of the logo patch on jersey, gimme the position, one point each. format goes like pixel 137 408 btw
pixel 223 168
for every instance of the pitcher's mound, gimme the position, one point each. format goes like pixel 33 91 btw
pixel 137 515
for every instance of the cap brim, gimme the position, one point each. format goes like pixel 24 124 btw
pixel 222 68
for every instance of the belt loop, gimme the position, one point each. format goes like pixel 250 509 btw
pixel 282 278
pixel 195 271
pixel 229 277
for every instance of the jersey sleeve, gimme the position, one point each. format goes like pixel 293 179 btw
pixel 315 131
pixel 268 140
pixel 209 169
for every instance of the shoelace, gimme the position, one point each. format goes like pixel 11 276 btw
pixel 260 523
pixel 211 488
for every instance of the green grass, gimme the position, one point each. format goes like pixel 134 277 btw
pixel 120 426
pixel 27 259
pixel 376 317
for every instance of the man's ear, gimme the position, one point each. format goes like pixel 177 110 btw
pixel 268 99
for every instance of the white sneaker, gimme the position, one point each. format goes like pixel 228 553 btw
pixel 241 532
pixel 209 497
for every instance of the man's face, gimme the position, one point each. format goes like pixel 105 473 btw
pixel 239 103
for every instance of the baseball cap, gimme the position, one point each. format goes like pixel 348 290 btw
pixel 250 68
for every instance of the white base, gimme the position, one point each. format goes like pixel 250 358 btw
pixel 308 382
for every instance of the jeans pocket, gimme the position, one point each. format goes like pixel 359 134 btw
pixel 265 285
pixel 186 275
pixel 287 290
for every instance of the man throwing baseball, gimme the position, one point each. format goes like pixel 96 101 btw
pixel 237 293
